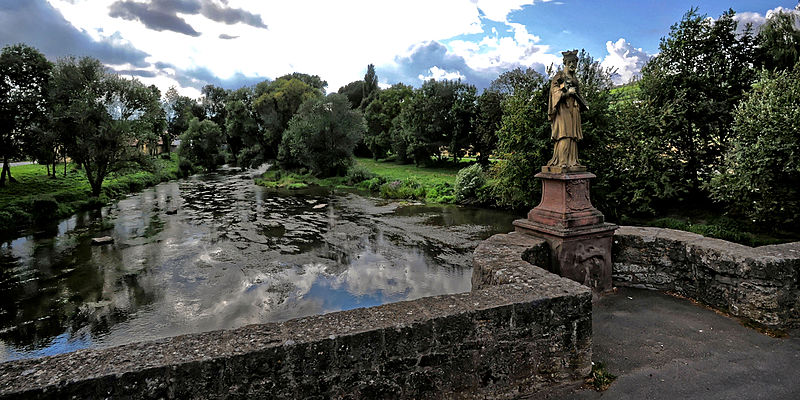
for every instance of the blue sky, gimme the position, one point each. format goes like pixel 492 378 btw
pixel 190 43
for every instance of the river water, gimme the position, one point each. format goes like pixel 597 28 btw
pixel 215 252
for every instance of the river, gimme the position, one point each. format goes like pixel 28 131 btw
pixel 215 252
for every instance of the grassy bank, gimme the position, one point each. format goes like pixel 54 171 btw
pixel 385 179
pixel 37 198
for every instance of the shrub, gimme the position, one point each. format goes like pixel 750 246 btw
pixel 358 173
pixel 44 209
pixel 468 181
pixel 761 174
pixel 185 168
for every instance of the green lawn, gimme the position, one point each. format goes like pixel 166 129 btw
pixel 64 195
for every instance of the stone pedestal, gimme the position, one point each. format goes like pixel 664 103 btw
pixel 578 235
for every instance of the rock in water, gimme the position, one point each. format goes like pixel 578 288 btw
pixel 172 211
pixel 99 241
pixel 318 206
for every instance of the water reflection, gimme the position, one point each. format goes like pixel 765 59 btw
pixel 217 252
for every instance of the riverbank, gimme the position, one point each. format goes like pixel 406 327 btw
pixel 37 198
pixel 390 180
pixel 385 179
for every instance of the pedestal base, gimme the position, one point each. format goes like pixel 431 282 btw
pixel 579 238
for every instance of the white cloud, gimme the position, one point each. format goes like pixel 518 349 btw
pixel 626 59
pixel 439 74
pixel 757 20
pixel 496 51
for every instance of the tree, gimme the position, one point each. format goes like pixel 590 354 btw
pixel 99 115
pixel 488 117
pixel 276 103
pixel 155 120
pixel 354 92
pixel 761 174
pixel 24 76
pixel 381 115
pixel 202 144
pixel 523 140
pixel 696 80
pixel 179 110
pixel 778 42
pixel 322 136
pixel 437 116
pixel 370 87
pixel 242 128
pixel 214 101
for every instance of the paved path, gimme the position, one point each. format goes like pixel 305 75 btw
pixel 662 347
pixel 14 164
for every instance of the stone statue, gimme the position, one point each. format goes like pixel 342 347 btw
pixel 564 112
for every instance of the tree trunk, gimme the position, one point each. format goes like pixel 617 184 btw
pixel 6 170
pixel 65 166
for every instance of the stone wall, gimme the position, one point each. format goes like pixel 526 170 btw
pixel 519 330
pixel 761 283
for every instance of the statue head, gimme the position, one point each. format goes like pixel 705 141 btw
pixel 570 61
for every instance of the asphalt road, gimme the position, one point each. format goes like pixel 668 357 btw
pixel 662 347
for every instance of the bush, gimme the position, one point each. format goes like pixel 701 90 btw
pixel 406 189
pixel 761 174
pixel 185 168
pixel 468 181
pixel 358 173
pixel 44 209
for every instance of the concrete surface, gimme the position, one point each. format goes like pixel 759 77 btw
pixel 662 347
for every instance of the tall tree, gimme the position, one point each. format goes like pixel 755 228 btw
pixel 778 42
pixel 179 110
pixel 700 74
pixel 437 116
pixel 381 115
pixel 370 87
pixel 322 136
pixel 202 144
pixel 276 103
pixel 101 115
pixel 24 75
pixel 354 92
pixel 242 128
pixel 488 117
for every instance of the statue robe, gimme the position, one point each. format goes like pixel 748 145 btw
pixel 564 112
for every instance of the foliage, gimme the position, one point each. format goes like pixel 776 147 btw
pixel 523 142
pixel 468 181
pixel 354 92
pixel 488 117
pixel 102 113
pixel 694 83
pixel 178 112
pixel 600 379
pixel 241 125
pixel 202 144
pixel 276 103
pixel 24 76
pixel 761 174
pixel 370 87
pixel 778 42
pixel 381 115
pixel 214 102
pixel 322 136
pixel 358 173
pixel 439 115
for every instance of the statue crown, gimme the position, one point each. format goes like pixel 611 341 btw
pixel 570 54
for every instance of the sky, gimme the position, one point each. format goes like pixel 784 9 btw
pixel 234 43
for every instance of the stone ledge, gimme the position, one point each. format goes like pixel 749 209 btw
pixel 761 283
pixel 526 330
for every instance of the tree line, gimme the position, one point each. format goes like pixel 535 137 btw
pixel 712 120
